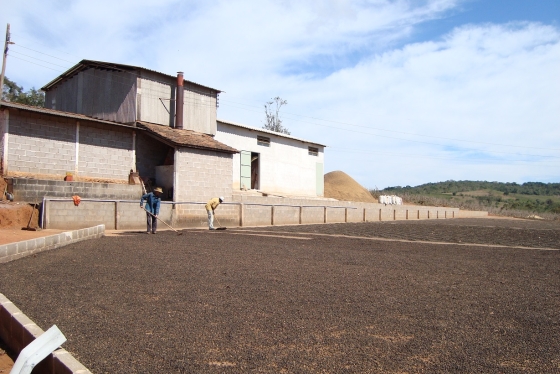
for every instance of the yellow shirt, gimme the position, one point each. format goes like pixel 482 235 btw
pixel 212 204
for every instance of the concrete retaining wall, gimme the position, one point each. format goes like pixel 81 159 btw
pixel 13 251
pixel 242 211
pixel 17 331
pixel 472 214
pixel 33 190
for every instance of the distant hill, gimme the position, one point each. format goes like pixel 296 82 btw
pixel 529 188
pixel 341 186
pixel 510 199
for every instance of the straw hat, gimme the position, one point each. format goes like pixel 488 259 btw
pixel 158 189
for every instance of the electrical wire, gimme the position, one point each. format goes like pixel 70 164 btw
pixel 409 140
pixel 402 132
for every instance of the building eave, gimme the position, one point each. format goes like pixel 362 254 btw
pixel 58 113
pixel 84 64
pixel 250 128
pixel 185 138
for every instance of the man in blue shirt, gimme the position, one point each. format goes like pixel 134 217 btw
pixel 153 201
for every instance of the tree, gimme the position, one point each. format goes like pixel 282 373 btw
pixel 273 121
pixel 14 93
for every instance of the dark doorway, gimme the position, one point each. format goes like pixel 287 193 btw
pixel 255 172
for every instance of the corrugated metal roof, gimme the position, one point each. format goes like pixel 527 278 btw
pixel 111 66
pixel 59 113
pixel 269 132
pixel 185 138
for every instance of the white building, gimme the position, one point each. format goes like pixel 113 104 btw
pixel 272 162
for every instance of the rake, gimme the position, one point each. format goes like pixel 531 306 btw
pixel 221 227
pixel 153 215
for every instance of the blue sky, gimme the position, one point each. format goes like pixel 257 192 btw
pixel 403 92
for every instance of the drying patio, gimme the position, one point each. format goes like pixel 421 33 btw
pixel 440 296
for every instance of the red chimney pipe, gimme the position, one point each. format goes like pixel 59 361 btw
pixel 179 102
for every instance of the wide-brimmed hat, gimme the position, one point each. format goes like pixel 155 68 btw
pixel 158 189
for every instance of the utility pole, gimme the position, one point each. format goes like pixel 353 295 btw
pixel 8 42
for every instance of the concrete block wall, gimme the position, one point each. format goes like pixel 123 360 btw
pixel 202 175
pixel 472 214
pixel 33 190
pixel 117 215
pixel 46 146
pixel 17 331
pixel 105 152
pixel 40 144
pixel 126 215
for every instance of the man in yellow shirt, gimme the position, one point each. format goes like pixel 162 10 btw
pixel 211 205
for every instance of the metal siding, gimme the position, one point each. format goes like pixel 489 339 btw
pixel 200 109
pixel 152 109
pixel 109 95
pixel 64 95
pixel 102 94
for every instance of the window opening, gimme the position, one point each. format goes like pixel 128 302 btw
pixel 263 140
pixel 313 151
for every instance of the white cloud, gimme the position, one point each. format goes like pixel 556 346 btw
pixel 335 60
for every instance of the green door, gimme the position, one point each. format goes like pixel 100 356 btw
pixel 245 180
pixel 320 179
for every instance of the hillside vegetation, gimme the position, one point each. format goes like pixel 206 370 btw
pixel 508 199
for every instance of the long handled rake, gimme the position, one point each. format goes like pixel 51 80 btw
pixel 153 215
pixel 221 227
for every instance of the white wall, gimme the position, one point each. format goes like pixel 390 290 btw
pixel 285 166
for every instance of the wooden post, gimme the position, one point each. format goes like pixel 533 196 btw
pixel 345 215
pixel 418 216
pixel 394 214
pixel 272 215
pixel 116 215
pixel 325 215
pixel 365 215
pixel 380 219
pixel 300 214
pixel 407 214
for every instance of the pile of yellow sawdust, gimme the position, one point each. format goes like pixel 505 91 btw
pixel 341 186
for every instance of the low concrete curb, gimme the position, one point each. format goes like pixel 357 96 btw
pixel 13 251
pixel 17 331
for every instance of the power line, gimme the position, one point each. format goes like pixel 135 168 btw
pixel 46 54
pixel 48 62
pixel 407 140
pixel 401 132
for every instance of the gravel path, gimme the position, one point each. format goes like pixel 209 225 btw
pixel 284 301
